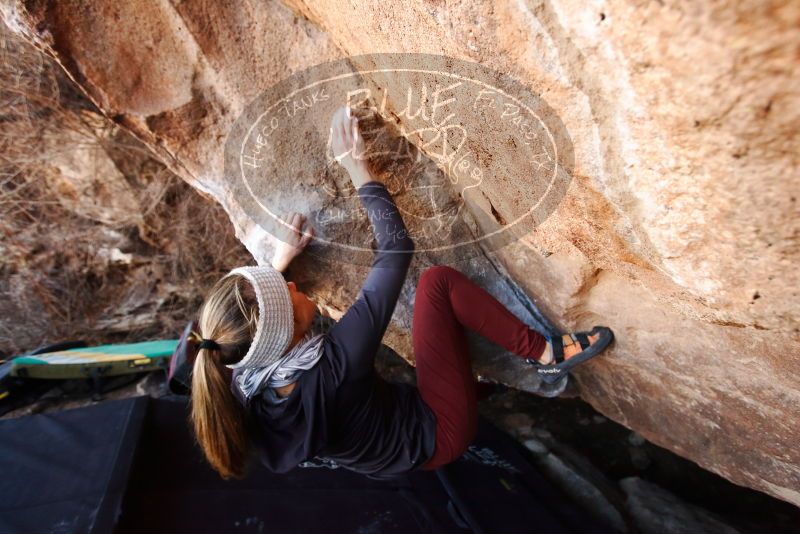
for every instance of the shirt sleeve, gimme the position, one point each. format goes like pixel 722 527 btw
pixel 356 337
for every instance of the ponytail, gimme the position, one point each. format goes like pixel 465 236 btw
pixel 220 422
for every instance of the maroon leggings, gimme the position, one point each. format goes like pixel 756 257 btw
pixel 446 302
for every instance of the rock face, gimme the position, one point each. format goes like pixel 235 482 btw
pixel 680 228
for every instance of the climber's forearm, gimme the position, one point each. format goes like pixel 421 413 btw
pixel 394 244
pixel 280 265
pixel 359 174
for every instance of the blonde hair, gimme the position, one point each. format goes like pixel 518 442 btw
pixel 229 317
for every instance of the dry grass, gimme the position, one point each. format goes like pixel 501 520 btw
pixel 98 240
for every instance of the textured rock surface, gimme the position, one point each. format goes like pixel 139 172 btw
pixel 681 225
pixel 647 502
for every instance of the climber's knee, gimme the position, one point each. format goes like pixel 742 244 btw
pixel 434 276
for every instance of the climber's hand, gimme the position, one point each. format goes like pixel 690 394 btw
pixel 292 241
pixel 348 146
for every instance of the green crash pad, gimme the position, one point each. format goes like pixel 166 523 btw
pixel 105 360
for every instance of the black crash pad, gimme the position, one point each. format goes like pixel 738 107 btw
pixel 132 465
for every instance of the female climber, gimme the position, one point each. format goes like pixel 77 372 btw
pixel 263 384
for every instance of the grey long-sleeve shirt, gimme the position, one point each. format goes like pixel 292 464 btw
pixel 341 409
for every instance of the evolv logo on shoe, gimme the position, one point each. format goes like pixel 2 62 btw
pixel 549 371
pixel 470 155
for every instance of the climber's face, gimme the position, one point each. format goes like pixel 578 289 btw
pixel 304 310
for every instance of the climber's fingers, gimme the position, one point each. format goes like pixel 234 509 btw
pixel 347 127
pixel 358 142
pixel 307 236
pixel 287 228
pixel 341 138
pixel 299 219
pixel 297 234
pixel 335 126
pixel 340 125
pixel 289 222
